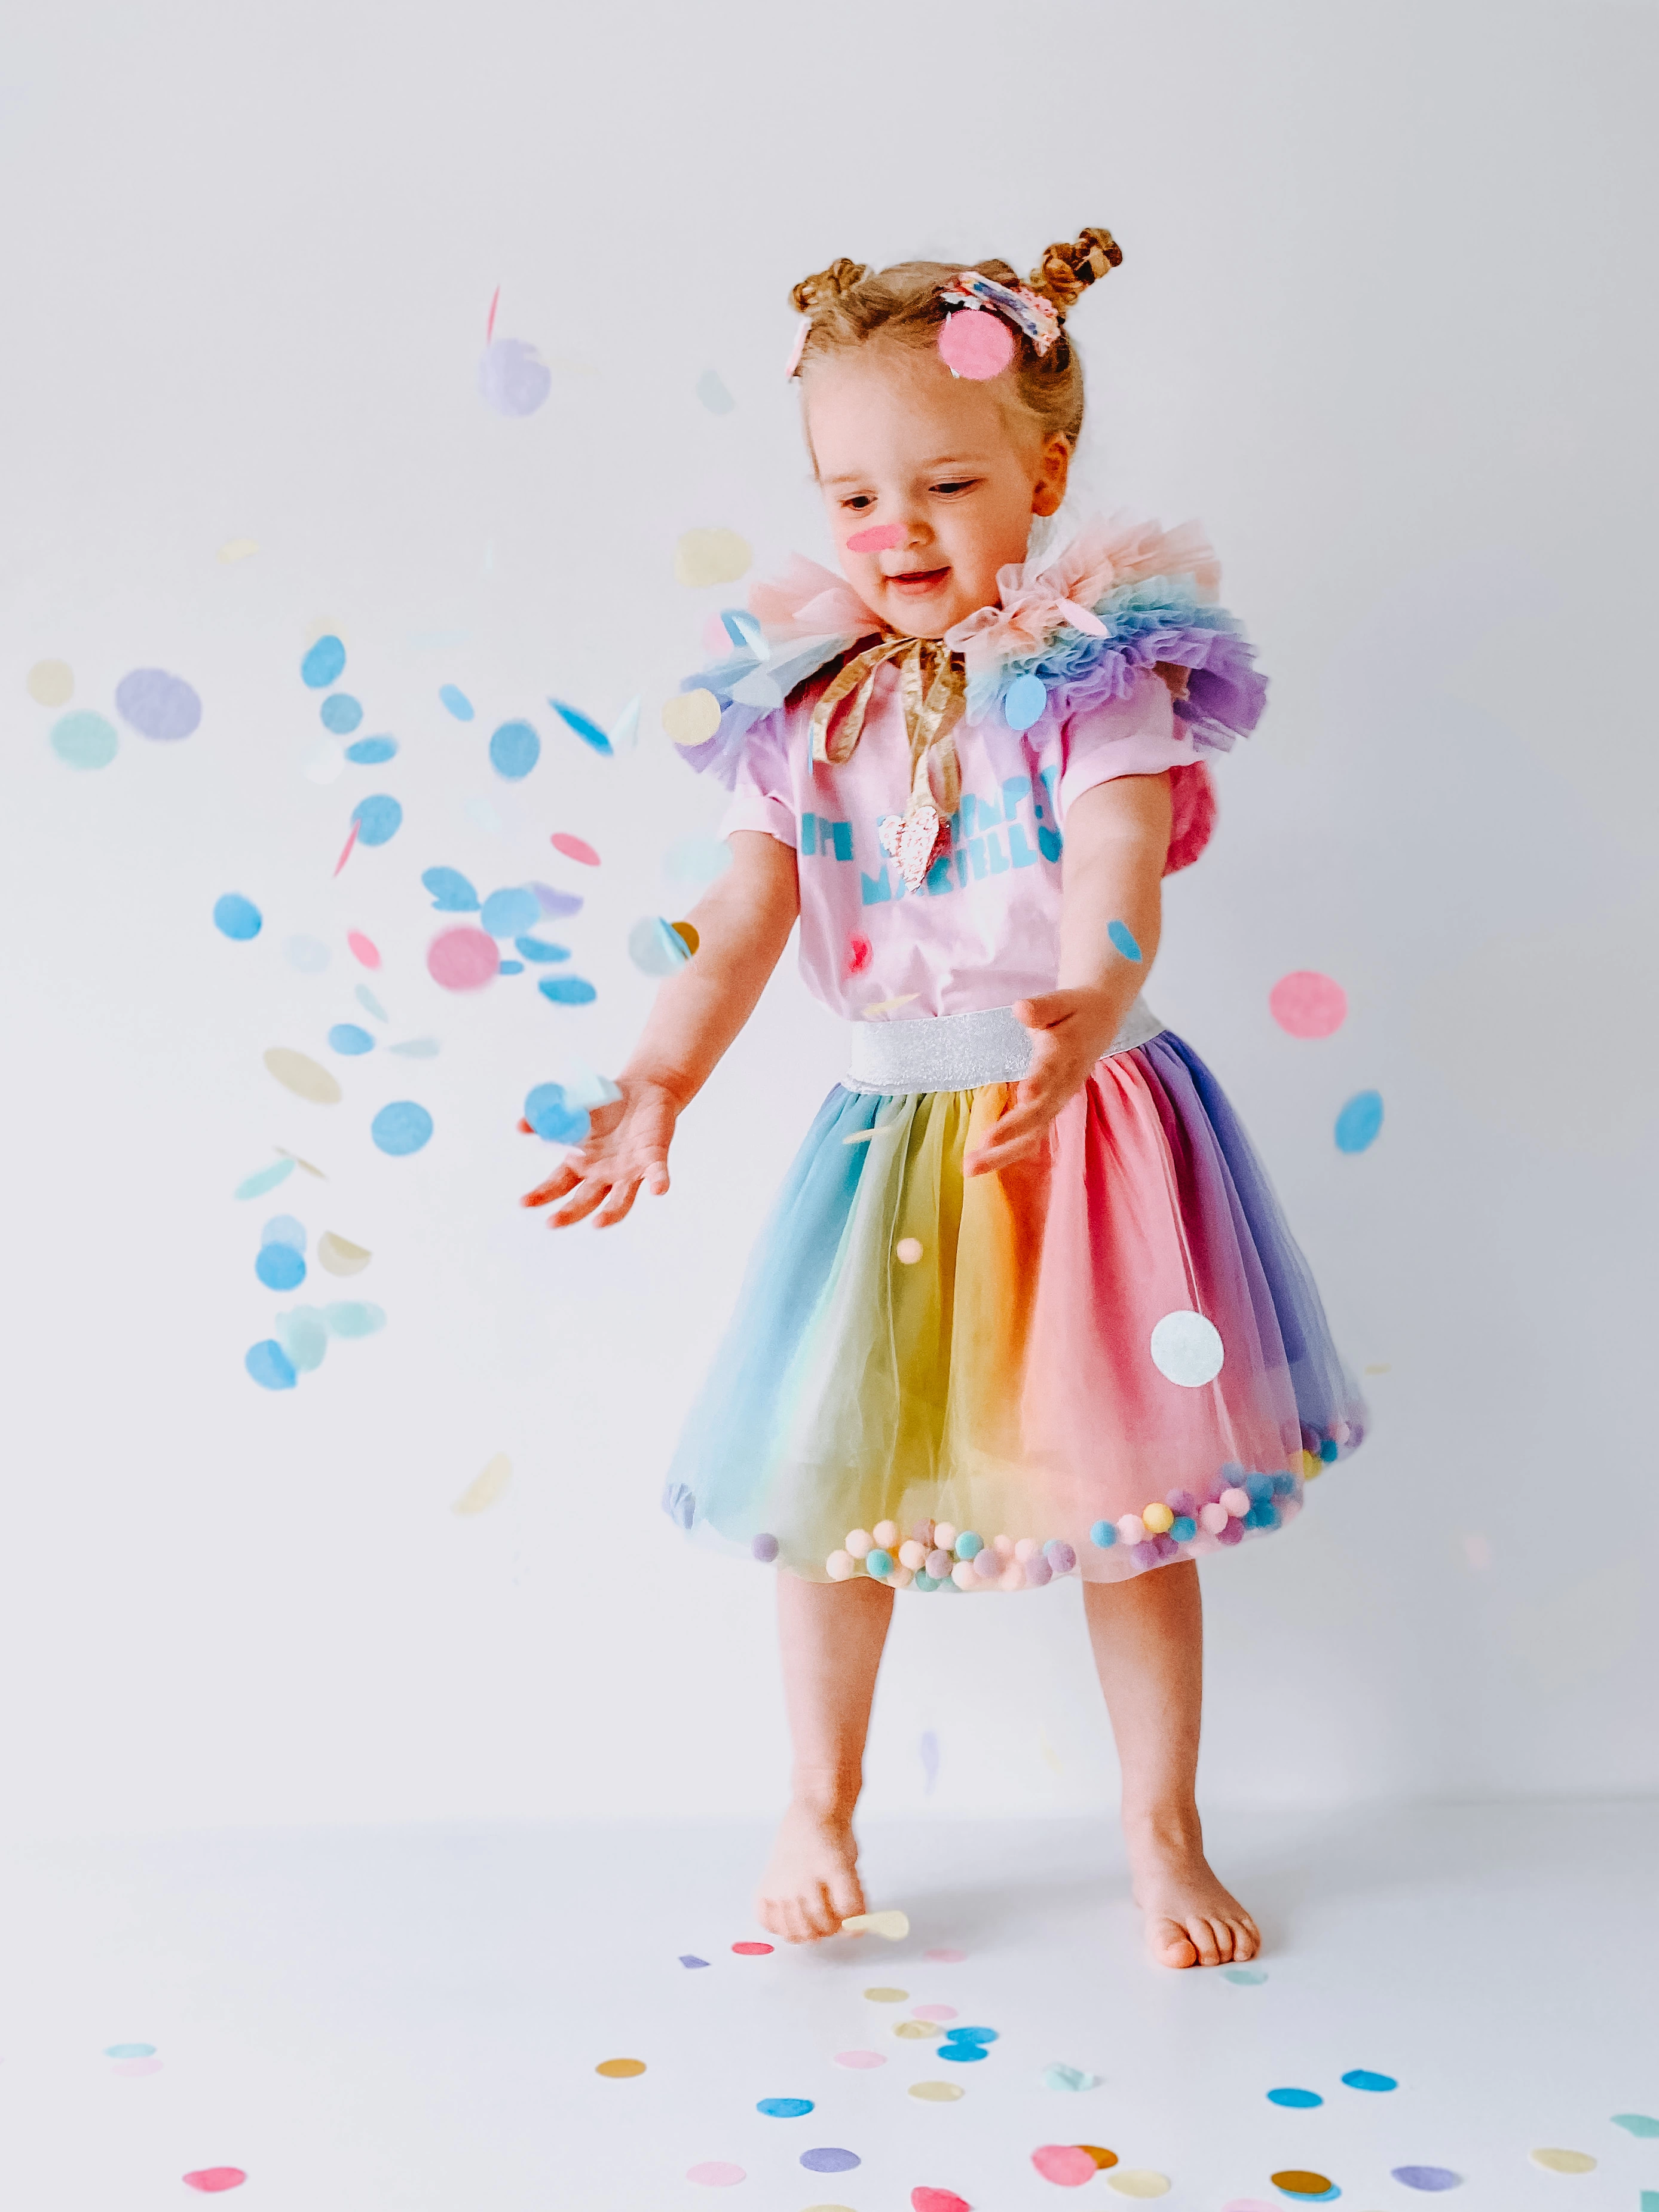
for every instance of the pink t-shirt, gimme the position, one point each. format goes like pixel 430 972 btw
pixel 984 930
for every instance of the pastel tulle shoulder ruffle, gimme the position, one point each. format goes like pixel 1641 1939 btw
pixel 1124 596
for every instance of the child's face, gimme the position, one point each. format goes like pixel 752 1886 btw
pixel 954 466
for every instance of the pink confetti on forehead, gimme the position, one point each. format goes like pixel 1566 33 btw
pixel 880 539
pixel 976 343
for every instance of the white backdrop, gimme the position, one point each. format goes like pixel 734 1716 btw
pixel 1384 323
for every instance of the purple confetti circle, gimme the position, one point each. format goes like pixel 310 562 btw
pixel 829 2160
pixel 512 378
pixel 1427 2177
pixel 157 705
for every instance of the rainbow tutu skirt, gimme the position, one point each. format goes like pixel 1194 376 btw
pixel 1111 1358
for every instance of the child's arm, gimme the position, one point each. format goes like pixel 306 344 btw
pixel 1117 836
pixel 742 924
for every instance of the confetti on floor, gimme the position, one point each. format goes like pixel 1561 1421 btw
pixel 785 2108
pixel 1361 2077
pixel 1069 2164
pixel 716 2173
pixel 882 1995
pixel 1297 2181
pixel 751 1950
pixel 938 2092
pixel 237 549
pixel 937 2200
pixel 1298 2099
pixel 859 2061
pixel 212 2179
pixel 829 2159
pixel 1139 2181
pixel 620 2069
pixel 1636 2124
pixel 1245 1977
pixel 1432 2177
pixel 945 1956
pixel 894 1926
pixel 1068 2077
pixel 1563 2161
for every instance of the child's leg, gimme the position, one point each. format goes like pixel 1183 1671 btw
pixel 830 1635
pixel 1148 1638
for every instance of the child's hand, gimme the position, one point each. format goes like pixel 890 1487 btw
pixel 1071 1030
pixel 626 1145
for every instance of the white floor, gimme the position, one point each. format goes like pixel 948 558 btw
pixel 408 2021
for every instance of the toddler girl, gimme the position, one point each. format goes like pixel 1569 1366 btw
pixel 1027 1308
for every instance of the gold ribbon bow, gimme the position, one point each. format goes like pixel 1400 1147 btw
pixel 932 692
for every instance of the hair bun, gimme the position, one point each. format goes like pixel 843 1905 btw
pixel 815 292
pixel 1069 267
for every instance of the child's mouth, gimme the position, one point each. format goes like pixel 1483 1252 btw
pixel 918 583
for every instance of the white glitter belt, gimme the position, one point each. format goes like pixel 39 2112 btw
pixel 958 1052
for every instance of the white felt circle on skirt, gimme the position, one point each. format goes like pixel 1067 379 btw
pixel 1188 1349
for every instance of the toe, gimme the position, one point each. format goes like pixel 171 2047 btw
pixel 846 1895
pixel 1171 1945
pixel 1203 1941
pixel 820 1915
pixel 769 1913
pixel 1247 1937
pixel 1226 1942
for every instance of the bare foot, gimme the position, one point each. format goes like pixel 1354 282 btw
pixel 1191 1920
pixel 810 1884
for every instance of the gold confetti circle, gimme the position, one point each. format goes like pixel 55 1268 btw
pixel 51 683
pixel 689 717
pixel 711 556
pixel 340 1255
pixel 1137 2181
pixel 1296 2181
pixel 684 931
pixel 1101 2157
pixel 619 2070
pixel 937 2093
pixel 918 2029
pixel 302 1076
pixel 887 1996
pixel 1563 2161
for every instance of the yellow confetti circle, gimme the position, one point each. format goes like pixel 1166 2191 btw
pixel 619 2070
pixel 937 2093
pixel 1297 2181
pixel 51 683
pixel 684 931
pixel 711 556
pixel 302 1076
pixel 690 717
pixel 887 1996
pixel 340 1255
pixel 1563 2161
pixel 1137 2181
pixel 918 2029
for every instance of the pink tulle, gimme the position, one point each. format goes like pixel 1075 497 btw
pixel 1192 797
pixel 810 601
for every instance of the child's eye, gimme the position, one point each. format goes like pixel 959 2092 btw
pixel 857 503
pixel 955 484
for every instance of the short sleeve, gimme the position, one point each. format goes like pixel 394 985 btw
pixel 763 796
pixel 1138 735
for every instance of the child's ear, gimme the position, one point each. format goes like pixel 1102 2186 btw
pixel 1048 492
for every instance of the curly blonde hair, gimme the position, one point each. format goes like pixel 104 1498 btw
pixel 848 304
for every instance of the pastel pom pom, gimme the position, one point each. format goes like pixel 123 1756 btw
pixel 1130 1526
pixel 879 1563
pixel 840 1565
pixel 1027 1548
pixel 860 1540
pixel 1157 1518
pixel 1012 1577
pixel 1037 1570
pixel 1004 1545
pixel 885 1533
pixel 925 1581
pixel 968 1543
pixel 1183 1528
pixel 938 1564
pixel 901 1577
pixel 944 1534
pixel 1060 1555
pixel 1180 1502
pixel 963 1575
pixel 1212 1519
pixel 1105 1533
pixel 1237 1501
pixel 765 1549
pixel 986 1565
pixel 912 1554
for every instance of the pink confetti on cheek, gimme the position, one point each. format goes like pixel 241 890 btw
pixel 211 2178
pixel 574 848
pixel 881 539
pixel 136 2066
pixel 975 343
pixel 365 948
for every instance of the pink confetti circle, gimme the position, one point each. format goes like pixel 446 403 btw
pixel 136 2066
pixel 365 948
pixel 574 848
pixel 932 2012
pixel 1064 2163
pixel 859 953
pixel 211 2178
pixel 716 2174
pixel 945 1958
pixel 880 539
pixel 751 1950
pixel 462 959
pixel 976 343
pixel 860 2059
pixel 1306 1004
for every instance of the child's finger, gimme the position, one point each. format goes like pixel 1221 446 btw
pixel 588 1193
pixel 563 1178
pixel 619 1203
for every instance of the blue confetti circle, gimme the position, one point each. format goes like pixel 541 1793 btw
pixel 1123 939
pixel 237 917
pixel 280 1267
pixel 270 1365
pixel 784 2108
pixel 283 1229
pixel 831 2158
pixel 378 819
pixel 971 2035
pixel 401 1127
pixel 537 948
pixel 451 891
pixel 551 1115
pixel 1361 2077
pixel 961 2054
pixel 510 913
pixel 1298 2099
pixel 341 713
pixel 567 990
pixel 346 1037
pixel 369 752
pixel 457 701
pixel 1023 701
pixel 1357 1124
pixel 83 740
pixel 323 665
pixel 588 731
pixel 514 750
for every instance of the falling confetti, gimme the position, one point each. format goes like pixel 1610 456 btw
pixel 279 1266
pixel 129 2050
pixel 1025 702
pixel 270 1365
pixel 1306 1004
pixel 265 1179
pixel 512 378
pixel 574 848
pixel 401 1128
pixel 417 1048
pixel 457 701
pixel 84 740
pixel 49 682
pixel 655 947
pixel 691 717
pixel 975 343
pixel 369 752
pixel 1187 1349
pixel 1563 2161
pixel 377 819
pixel 323 664
pixel 509 912
pixel 620 2069
pixel 462 959
pixel 296 1072
pixel 588 730
pixel 347 1037
pixel 713 394
pixel 710 556
pixel 1357 1124
pixel 485 1488
pixel 236 917
pixel 752 1950
pixel 349 846
pixel 157 705
pixel 567 990
pixel 341 715
pixel 308 954
pixel 880 538
pixel 690 1958
pixel 366 999
pixel 514 749
pixel 211 2178
pixel 1123 939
